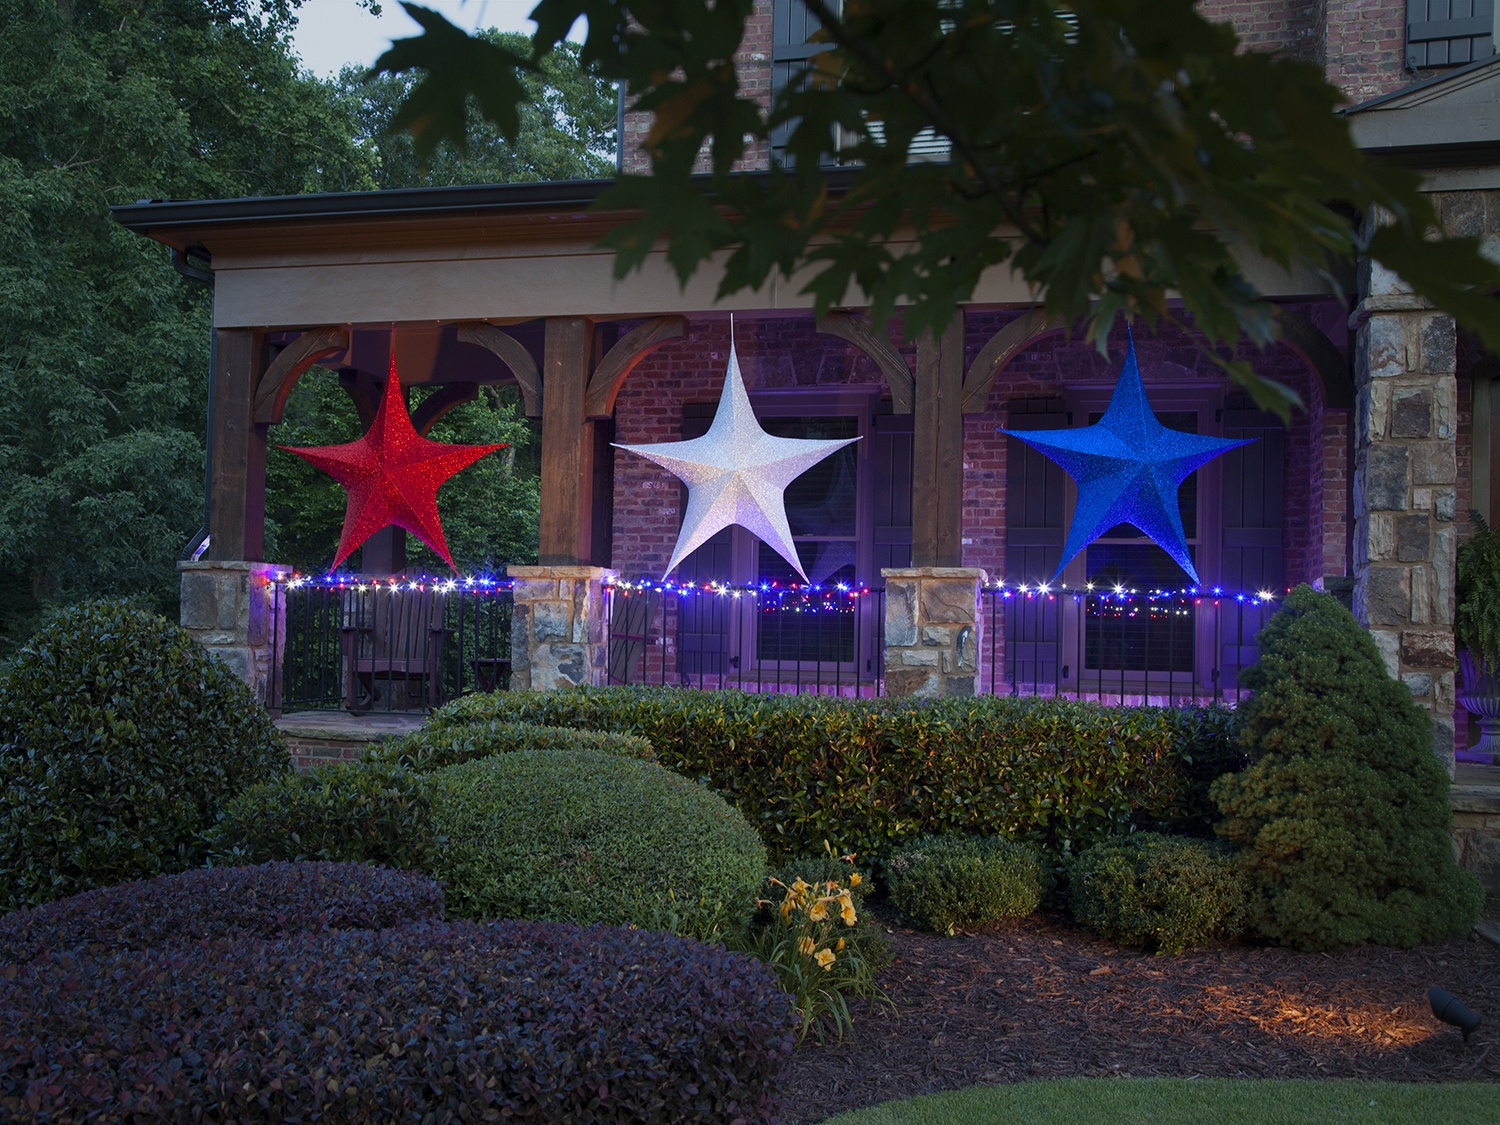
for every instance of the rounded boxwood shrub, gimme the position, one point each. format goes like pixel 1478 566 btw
pixel 435 747
pixel 941 882
pixel 586 836
pixel 1161 892
pixel 209 903
pixel 1343 819
pixel 359 812
pixel 441 1021
pixel 120 740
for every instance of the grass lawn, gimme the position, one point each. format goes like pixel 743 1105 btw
pixel 1206 1101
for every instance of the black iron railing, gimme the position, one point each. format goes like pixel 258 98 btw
pixel 387 645
pixel 824 640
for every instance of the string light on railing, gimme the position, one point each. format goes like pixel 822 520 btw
pixel 396 583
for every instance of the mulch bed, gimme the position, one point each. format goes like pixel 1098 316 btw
pixel 1041 999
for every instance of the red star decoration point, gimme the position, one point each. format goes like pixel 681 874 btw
pixel 392 475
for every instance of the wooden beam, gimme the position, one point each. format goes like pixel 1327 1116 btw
pixel 237 502
pixel 277 383
pixel 513 354
pixel 879 348
pixel 938 449
pixel 999 350
pixel 620 361
pixel 566 521
pixel 439 402
pixel 1323 359
pixel 364 392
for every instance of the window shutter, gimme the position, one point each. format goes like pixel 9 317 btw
pixel 891 462
pixel 791 25
pixel 1035 499
pixel 1449 32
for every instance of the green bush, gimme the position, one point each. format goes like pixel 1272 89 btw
pixel 870 775
pixel 941 882
pixel 1343 820
pixel 436 747
pixel 359 812
pixel 120 740
pixel 1162 892
pixel 587 836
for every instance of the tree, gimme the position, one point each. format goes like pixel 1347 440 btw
pixel 566 129
pixel 1115 152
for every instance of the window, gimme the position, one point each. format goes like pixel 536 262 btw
pixel 1449 32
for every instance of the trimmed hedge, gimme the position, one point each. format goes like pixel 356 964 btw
pixel 431 1022
pixel 870 775
pixel 1161 892
pixel 586 836
pixel 357 812
pixel 120 740
pixel 211 903
pixel 435 747
pixel 940 882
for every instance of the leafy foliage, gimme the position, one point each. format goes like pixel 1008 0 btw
pixel 1115 152
pixel 870 776
pixel 1343 820
pixel 1162 892
pixel 431 749
pixel 942 882
pixel 365 812
pixel 1476 624
pixel 208 904
pixel 587 836
pixel 120 740
pixel 442 1021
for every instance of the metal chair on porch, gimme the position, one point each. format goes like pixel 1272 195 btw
pixel 393 642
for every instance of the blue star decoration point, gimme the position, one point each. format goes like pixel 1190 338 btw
pixel 1128 468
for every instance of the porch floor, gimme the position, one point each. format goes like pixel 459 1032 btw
pixel 341 726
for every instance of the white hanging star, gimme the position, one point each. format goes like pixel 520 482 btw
pixel 736 473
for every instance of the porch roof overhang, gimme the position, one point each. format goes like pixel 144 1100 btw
pixel 1450 121
pixel 503 253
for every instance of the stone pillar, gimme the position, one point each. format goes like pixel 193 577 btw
pixel 1405 489
pixel 933 630
pixel 228 608
pixel 558 636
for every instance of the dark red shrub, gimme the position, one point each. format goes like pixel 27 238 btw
pixel 223 902
pixel 438 1021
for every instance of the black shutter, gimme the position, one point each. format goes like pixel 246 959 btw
pixel 1254 554
pixel 1449 32
pixel 1035 499
pixel 703 622
pixel 890 461
pixel 792 24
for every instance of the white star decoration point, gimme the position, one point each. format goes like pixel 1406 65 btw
pixel 736 474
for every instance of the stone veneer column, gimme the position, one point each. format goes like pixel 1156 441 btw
pixel 1405 489
pixel 558 636
pixel 227 607
pixel 933 630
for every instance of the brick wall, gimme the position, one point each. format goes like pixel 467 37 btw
pixel 1285 27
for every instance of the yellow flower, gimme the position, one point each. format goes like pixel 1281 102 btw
pixel 854 879
pixel 805 946
pixel 799 886
pixel 818 911
pixel 840 945
pixel 825 958
pixel 846 909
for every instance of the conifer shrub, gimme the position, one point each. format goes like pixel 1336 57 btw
pixel 208 904
pixel 434 1021
pixel 120 741
pixel 1343 819
pixel 942 882
pixel 356 812
pixel 436 746
pixel 587 836
pixel 1165 893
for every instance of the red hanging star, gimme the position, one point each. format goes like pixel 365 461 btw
pixel 392 475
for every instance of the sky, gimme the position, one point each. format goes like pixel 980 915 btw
pixel 331 33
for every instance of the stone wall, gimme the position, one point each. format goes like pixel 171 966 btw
pixel 558 636
pixel 934 630
pixel 228 608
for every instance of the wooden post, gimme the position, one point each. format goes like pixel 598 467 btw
pixel 937 451
pixel 566 521
pixel 237 506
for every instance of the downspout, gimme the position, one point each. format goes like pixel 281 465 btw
pixel 199 542
pixel 619 128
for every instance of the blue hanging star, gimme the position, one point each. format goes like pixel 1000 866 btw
pixel 1128 467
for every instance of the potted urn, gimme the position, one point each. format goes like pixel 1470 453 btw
pixel 1476 630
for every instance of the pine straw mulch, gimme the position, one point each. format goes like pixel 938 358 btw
pixel 1041 999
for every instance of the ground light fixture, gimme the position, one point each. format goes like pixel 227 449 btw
pixel 1450 1009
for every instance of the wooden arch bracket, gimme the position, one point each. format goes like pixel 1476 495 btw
pixel 1001 348
pixel 513 354
pixel 439 402
pixel 290 365
pixel 897 374
pixel 1323 359
pixel 620 360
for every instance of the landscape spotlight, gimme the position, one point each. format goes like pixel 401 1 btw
pixel 1450 1009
